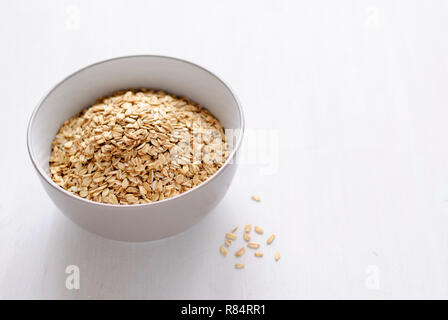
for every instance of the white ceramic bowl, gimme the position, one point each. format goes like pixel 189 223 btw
pixel 145 221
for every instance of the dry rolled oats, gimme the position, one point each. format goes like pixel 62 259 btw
pixel 223 250
pixel 136 147
pixel 259 230
pixel 240 252
pixel 231 236
pixel 277 256
pixel 253 245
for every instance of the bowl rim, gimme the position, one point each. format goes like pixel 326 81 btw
pixel 52 184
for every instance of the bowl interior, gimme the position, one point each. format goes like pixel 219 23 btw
pixel 81 89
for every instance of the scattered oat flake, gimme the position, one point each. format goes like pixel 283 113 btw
pixel 256 198
pixel 277 256
pixel 231 236
pixel 253 245
pixel 223 250
pixel 240 252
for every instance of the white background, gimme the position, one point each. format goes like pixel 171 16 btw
pixel 356 94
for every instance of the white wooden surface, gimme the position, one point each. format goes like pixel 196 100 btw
pixel 355 92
